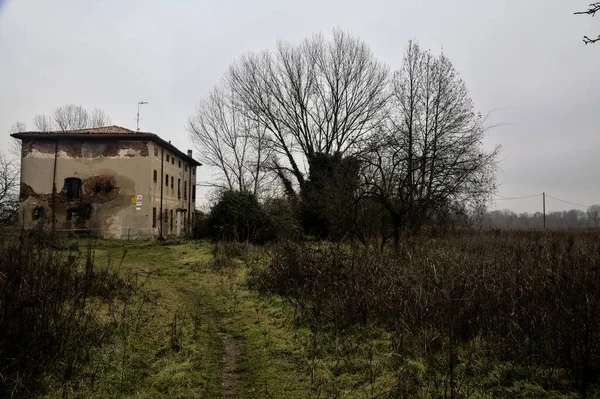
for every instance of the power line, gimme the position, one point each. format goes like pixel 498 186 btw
pixel 515 198
pixel 567 202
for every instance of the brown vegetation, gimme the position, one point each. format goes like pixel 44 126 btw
pixel 50 303
pixel 526 300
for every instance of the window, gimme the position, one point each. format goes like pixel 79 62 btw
pixel 194 171
pixel 172 182
pixel 100 187
pixel 171 222
pixel 38 213
pixel 72 188
pixel 155 151
pixel 194 192
pixel 172 160
pixel 178 188
pixel 184 190
pixel 185 167
pixel 154 217
pixel 72 214
pixel 168 157
pixel 155 175
pixel 167 180
pixel 179 164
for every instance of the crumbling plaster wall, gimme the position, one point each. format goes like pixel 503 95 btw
pixel 111 173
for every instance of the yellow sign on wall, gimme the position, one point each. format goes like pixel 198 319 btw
pixel 133 201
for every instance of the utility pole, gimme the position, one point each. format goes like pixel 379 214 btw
pixel 138 113
pixel 544 207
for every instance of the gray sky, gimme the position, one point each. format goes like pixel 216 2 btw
pixel 525 56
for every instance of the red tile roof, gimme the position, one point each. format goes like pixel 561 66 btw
pixel 95 130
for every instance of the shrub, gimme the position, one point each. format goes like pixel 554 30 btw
pixel 237 216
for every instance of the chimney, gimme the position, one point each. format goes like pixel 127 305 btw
pixel 190 153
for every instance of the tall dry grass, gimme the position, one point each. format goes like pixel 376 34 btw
pixel 465 306
pixel 54 305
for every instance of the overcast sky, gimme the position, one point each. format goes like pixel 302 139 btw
pixel 525 58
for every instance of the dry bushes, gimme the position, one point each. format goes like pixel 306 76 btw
pixel 522 305
pixel 50 305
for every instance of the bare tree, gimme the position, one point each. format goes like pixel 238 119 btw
pixel 15 144
pixel 71 117
pixel 593 8
pixel 43 123
pixel 593 215
pixel 67 117
pixel 226 140
pixel 98 118
pixel 428 155
pixel 316 97
pixel 9 201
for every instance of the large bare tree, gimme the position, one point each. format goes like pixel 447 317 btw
pixel 71 117
pixel 429 154
pixel 234 145
pixel 320 96
pixel 9 182
pixel 593 8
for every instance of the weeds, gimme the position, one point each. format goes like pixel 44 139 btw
pixel 51 303
pixel 454 306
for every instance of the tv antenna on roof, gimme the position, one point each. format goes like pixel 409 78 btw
pixel 138 113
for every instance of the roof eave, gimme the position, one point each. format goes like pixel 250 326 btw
pixel 135 136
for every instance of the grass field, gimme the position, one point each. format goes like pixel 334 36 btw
pixel 202 322
pixel 191 331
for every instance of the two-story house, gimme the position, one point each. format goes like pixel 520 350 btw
pixel 110 180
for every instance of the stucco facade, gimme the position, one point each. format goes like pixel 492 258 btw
pixel 112 181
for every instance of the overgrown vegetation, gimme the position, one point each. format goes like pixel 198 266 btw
pixel 468 315
pixel 51 306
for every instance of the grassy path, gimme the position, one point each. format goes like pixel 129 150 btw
pixel 192 331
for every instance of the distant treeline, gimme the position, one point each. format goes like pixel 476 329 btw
pixel 573 218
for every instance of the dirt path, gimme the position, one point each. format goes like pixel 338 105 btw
pixel 230 357
pixel 230 378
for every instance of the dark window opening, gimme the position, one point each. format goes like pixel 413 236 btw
pixel 172 160
pixel 168 157
pixel 72 188
pixel 171 223
pixel 179 164
pixel 72 214
pixel 194 171
pixel 106 187
pixel 155 175
pixel 178 188
pixel 185 167
pixel 167 180
pixel 38 213
pixel 184 190
pixel 155 151
pixel 172 182
pixel 194 192
pixel 154 217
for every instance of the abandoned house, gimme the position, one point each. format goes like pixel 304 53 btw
pixel 113 181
